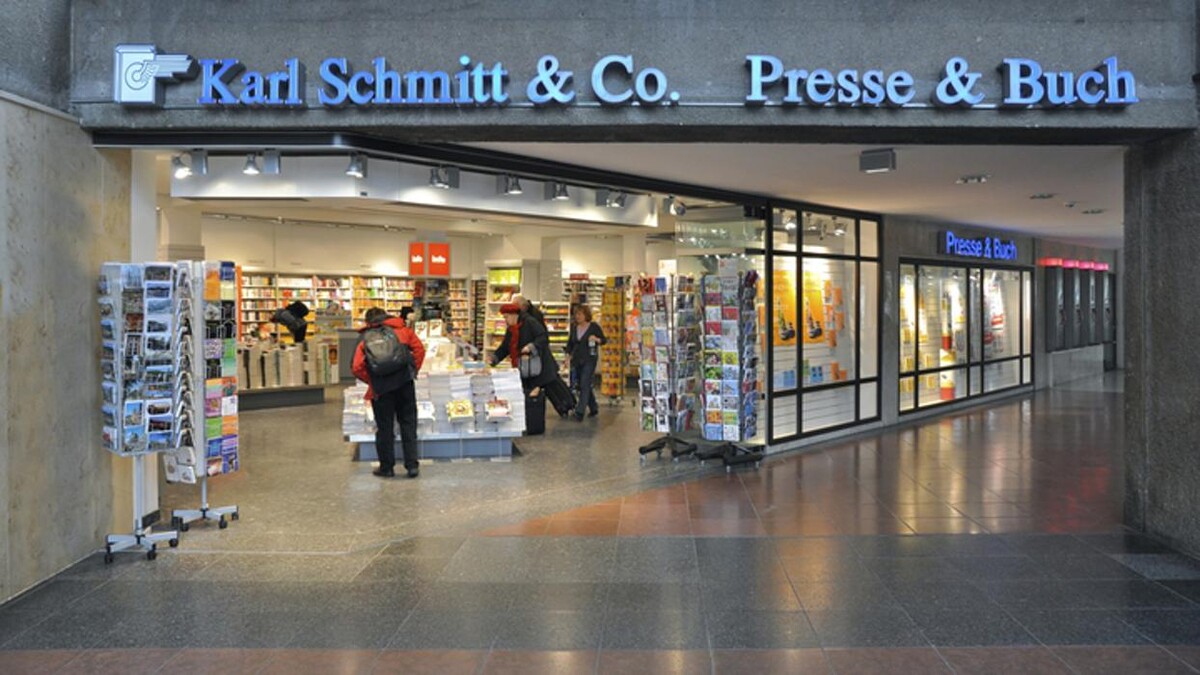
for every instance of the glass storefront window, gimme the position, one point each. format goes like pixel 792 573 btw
pixel 868 400
pixel 908 318
pixel 783 411
pixel 868 315
pixel 1001 312
pixel 941 317
pixel 827 330
pixel 868 238
pixel 719 227
pixel 828 408
pixel 786 229
pixel 957 321
pixel 824 233
pixel 784 331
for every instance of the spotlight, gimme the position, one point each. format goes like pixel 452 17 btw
pixel 615 200
pixel 357 167
pixel 557 191
pixel 251 167
pixel 181 170
pixel 974 179
pixel 673 206
pixel 877 161
pixel 839 230
pixel 789 222
pixel 272 162
pixel 444 177
pixel 508 184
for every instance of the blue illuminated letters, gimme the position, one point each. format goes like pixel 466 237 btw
pixel 988 248
pixel 823 87
pixel 1027 84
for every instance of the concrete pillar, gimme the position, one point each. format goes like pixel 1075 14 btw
pixel 180 234
pixel 1162 377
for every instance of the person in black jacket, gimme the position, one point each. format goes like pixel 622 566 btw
pixel 583 350
pixel 526 335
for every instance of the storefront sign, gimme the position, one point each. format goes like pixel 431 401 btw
pixel 141 71
pixel 416 258
pixel 439 259
pixel 988 248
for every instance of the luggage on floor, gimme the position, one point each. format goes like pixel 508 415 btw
pixel 535 414
pixel 560 397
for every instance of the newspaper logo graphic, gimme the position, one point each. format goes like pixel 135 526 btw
pixel 140 70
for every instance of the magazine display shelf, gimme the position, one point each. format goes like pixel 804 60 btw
pixel 669 323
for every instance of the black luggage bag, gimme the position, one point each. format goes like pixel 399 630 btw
pixel 560 397
pixel 535 414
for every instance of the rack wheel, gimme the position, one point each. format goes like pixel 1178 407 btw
pixel 152 553
pixel 222 523
pixel 173 543
pixel 184 527
pixel 235 515
pixel 109 558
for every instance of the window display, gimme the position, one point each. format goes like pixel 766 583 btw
pixel 952 317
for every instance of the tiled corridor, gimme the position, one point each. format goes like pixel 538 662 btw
pixel 985 542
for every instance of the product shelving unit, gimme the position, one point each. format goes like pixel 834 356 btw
pixel 612 318
pixel 479 312
pixel 591 288
pixel 730 358
pixel 669 323
pixel 332 288
pixel 502 284
pixel 259 300
pixel 460 306
pixel 558 323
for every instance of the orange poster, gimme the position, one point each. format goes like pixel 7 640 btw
pixel 784 331
pixel 812 324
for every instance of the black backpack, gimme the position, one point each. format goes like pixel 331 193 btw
pixel 386 355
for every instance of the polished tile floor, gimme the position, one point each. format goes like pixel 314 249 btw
pixel 985 542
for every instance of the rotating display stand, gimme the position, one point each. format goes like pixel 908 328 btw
pixel 670 330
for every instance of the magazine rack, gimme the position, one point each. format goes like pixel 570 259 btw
pixel 669 322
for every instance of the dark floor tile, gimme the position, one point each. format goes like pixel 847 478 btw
pixel 907 660
pixel 723 553
pixel 65 630
pixel 429 662
pixel 550 630
pixel 657 662
pixel 492 559
pixel 971 628
pixel 656 559
pixel 1078 627
pixel 760 630
pixel 893 571
pixel 874 627
pixel 1162 566
pixel 1000 568
pixel 1033 660
pixel 757 661
pixel 737 593
pixel 1121 660
pixel 452 596
pixel 935 596
pixel 1129 594
pixel 437 629
pixel 403 569
pixel 247 567
pixel 1189 655
pixel 561 596
pixel 819 547
pixel 13 624
pixel 246 628
pixel 654 597
pixel 36 662
pixel 573 559
pixel 361 630
pixel 844 595
pixel 425 547
pixel 654 630
pixel 1095 566
pixel 1047 544
pixel 1124 543
pixel 52 596
pixel 1188 589
pixel 1166 627
pixel 825 569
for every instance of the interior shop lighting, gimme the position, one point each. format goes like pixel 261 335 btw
pixel 673 206
pixel 357 167
pixel 444 177
pixel 508 184
pixel 251 166
pixel 1051 262
pixel 882 160
pixel 181 170
pixel 974 179
pixel 197 164
pixel 1092 212
pixel 789 222
pixel 272 162
pixel 839 230
pixel 615 200
pixel 1043 195
pixel 555 191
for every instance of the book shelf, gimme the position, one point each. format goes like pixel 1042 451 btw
pixel 480 297
pixel 460 306
pixel 612 322
pixel 558 324
pixel 591 290
pixel 398 294
pixel 502 284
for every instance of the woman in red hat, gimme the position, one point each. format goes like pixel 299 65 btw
pixel 526 336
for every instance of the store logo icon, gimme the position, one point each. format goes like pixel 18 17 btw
pixel 140 70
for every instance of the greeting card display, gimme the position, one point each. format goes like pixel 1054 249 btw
pixel 730 357
pixel 669 321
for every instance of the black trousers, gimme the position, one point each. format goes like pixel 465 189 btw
pixel 582 376
pixel 395 406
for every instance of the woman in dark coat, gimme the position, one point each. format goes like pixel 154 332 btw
pixel 524 335
pixel 583 350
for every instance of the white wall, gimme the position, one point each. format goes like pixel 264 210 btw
pixel 593 255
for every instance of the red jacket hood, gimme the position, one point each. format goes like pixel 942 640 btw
pixel 393 321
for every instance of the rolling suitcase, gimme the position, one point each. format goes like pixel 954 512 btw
pixel 535 414
pixel 560 397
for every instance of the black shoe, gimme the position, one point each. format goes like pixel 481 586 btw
pixel 385 473
pixel 414 472
pixel 593 413
pixel 577 418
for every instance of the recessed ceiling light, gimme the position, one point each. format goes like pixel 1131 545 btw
pixel 1092 212
pixel 973 179
pixel 1043 195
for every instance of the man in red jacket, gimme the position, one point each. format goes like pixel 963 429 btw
pixel 393 396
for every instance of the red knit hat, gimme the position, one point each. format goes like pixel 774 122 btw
pixel 510 308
